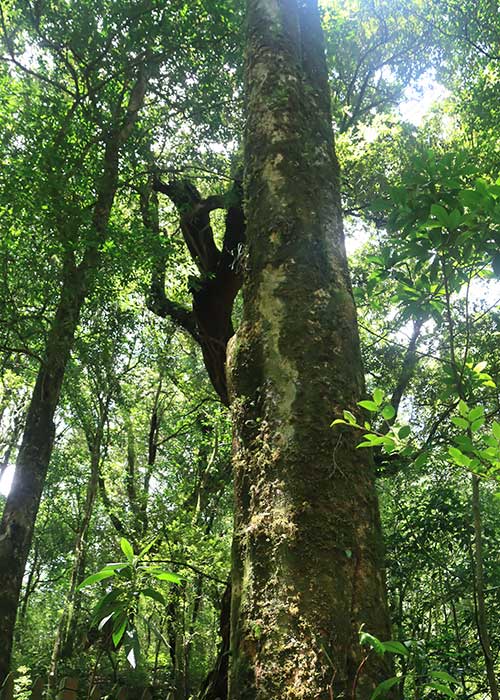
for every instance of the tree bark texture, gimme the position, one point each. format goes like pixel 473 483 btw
pixel 21 508
pixel 65 625
pixel 307 553
pixel 219 280
pixel 481 617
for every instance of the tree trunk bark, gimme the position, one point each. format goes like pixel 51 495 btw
pixel 307 553
pixel 21 508
pixel 66 620
pixel 18 521
pixel 482 623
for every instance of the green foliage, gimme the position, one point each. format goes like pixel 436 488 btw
pixel 392 437
pixel 119 609
pixel 440 681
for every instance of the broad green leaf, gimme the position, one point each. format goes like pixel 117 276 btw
pixel 421 460
pixel 119 628
pixel 378 396
pixel 458 457
pixel 440 687
pixel 464 443
pixel 395 647
pixel 460 422
pixel 167 576
pixel 127 549
pixel 479 367
pixel 366 639
pixel 463 408
pixel 443 676
pixel 403 432
pixel 369 405
pixel 477 424
pixel 496 430
pixel 388 412
pixel 470 198
pixel 99 576
pixel 154 594
pixel 384 687
pixel 475 413
pixel 441 214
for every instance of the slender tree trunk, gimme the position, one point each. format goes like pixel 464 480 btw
pixel 31 584
pixel 16 528
pixel 307 554
pixel 482 623
pixel 65 622
pixel 18 521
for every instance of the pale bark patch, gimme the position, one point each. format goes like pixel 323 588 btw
pixel 280 370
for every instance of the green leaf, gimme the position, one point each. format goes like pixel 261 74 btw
pixel 403 433
pixel 154 594
pixel 166 576
pixel 458 457
pixel 108 603
pixel 127 549
pixel 374 440
pixel 477 424
pixel 119 628
pixel 464 443
pixel 147 547
pixel 99 576
pixel 460 422
pixel 475 413
pixel 443 676
pixel 384 687
pixel 378 396
pixel 369 405
pixel 455 219
pixel 421 460
pixel 496 430
pixel 388 412
pixel 470 198
pixel 350 418
pixel 395 647
pixel 463 409
pixel 366 639
pixel 441 214
pixel 479 367
pixel 442 689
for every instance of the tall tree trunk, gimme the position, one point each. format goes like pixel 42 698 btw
pixel 21 508
pixel 66 620
pixel 18 521
pixel 481 619
pixel 307 554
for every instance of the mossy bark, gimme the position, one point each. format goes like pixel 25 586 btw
pixel 308 560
